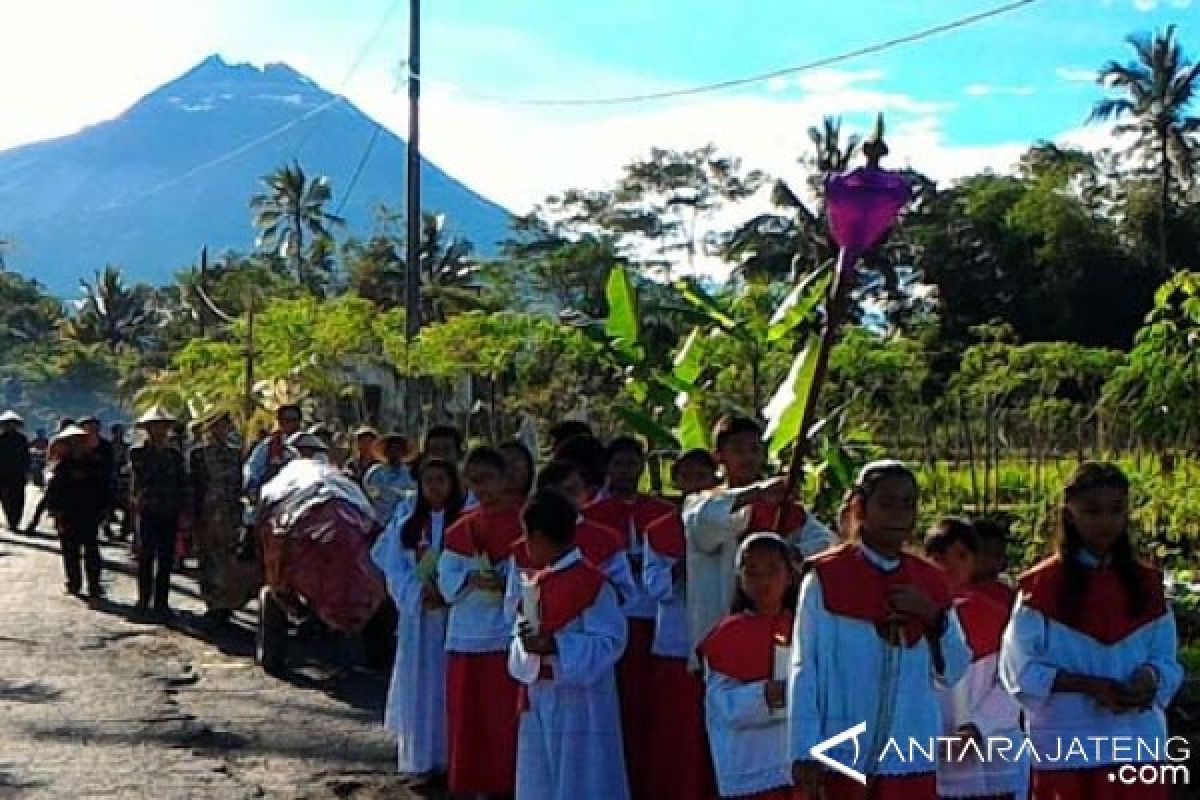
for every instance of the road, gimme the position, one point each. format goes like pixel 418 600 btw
pixel 96 705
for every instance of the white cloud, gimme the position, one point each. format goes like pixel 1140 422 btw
pixel 1145 5
pixel 836 80
pixel 985 89
pixel 1076 74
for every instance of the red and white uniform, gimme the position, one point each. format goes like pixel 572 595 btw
pixel 981 700
pixel 481 697
pixel 678 738
pixel 569 745
pixel 1104 639
pixel 636 671
pixel 749 739
pixel 713 533
pixel 849 665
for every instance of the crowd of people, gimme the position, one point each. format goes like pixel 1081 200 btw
pixel 563 634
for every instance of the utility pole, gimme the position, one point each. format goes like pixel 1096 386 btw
pixel 412 283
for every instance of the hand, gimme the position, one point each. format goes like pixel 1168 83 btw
pixel 539 644
pixel 808 777
pixel 431 598
pixel 1142 687
pixel 775 491
pixel 964 734
pixel 775 693
pixel 485 581
pixel 1111 695
pixel 910 601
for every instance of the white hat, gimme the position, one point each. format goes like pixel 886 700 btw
pixel 70 432
pixel 889 465
pixel 11 416
pixel 307 441
pixel 155 414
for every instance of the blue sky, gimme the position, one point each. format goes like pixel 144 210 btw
pixel 956 103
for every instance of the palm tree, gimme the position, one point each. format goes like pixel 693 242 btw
pixel 783 245
pixel 112 313
pixel 449 278
pixel 291 207
pixel 1157 87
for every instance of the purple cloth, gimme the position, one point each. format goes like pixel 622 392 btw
pixel 862 205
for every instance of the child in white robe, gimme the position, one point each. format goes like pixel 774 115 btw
pixel 977 711
pixel 716 521
pixel 570 634
pixel 746 659
pixel 1091 650
pixel 876 638
pixel 407 554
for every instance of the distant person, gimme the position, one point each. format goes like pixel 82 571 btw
pixel 123 475
pixel 14 468
pixel 271 453
pixel 226 582
pixel 391 483
pixel 444 442
pixel 991 562
pixel 567 429
pixel 54 450
pixel 160 497
pixel 366 454
pixel 77 495
pixel 37 458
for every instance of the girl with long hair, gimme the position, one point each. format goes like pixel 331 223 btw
pixel 407 554
pixel 1091 649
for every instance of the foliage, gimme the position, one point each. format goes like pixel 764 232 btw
pixel 290 208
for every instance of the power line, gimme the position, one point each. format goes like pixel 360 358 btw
pixel 733 83
pixel 362 162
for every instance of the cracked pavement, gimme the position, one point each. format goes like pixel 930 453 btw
pixel 96 705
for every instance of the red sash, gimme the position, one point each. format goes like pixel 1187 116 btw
pixel 998 592
pixel 854 587
pixel 742 646
pixel 481 532
pixel 983 621
pixel 765 517
pixel 666 536
pixel 625 517
pixel 563 595
pixel 1104 612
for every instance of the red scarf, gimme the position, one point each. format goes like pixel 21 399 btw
pixel 1104 610
pixel 983 621
pixel 628 517
pixel 479 532
pixel 665 535
pixel 854 587
pixel 742 646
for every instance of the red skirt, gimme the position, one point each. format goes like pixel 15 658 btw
pixel 481 716
pixel 1092 784
pixel 683 767
pixel 635 677
pixel 889 787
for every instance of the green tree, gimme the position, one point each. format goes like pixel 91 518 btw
pixel 112 313
pixel 291 208
pixel 1158 87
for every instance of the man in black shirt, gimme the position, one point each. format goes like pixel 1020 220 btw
pixel 76 496
pixel 14 468
pixel 160 498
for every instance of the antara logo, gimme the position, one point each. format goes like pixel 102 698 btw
pixel 820 751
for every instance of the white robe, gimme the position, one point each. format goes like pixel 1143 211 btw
pixel 713 531
pixel 569 744
pixel 838 680
pixel 670 626
pixel 416 709
pixel 1036 648
pixel 980 699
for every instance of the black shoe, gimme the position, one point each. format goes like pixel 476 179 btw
pixel 74 591
pixel 97 592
